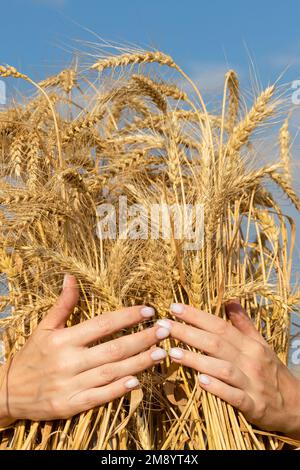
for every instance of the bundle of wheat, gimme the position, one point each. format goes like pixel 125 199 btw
pixel 88 137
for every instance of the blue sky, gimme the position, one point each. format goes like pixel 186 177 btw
pixel 203 36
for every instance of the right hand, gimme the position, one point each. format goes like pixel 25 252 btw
pixel 57 375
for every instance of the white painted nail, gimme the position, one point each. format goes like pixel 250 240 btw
pixel 178 309
pixel 165 324
pixel 147 312
pixel 176 353
pixel 162 333
pixel 66 279
pixel 132 383
pixel 204 379
pixel 158 354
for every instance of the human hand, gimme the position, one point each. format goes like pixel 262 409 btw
pixel 57 375
pixel 239 367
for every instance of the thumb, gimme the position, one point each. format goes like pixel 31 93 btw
pixel 64 306
pixel 241 321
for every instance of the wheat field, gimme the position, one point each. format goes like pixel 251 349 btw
pixel 114 127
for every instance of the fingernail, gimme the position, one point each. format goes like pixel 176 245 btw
pixel 147 312
pixel 203 379
pixel 132 383
pixel 66 278
pixel 162 333
pixel 176 353
pixel 234 307
pixel 178 309
pixel 165 324
pixel 158 354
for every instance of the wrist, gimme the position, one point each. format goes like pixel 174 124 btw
pixel 293 424
pixel 5 419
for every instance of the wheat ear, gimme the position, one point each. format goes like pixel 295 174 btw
pixel 149 88
pixel 260 111
pixel 131 59
pixel 9 71
pixel 234 99
pixel 66 79
pixel 284 143
pixel 287 188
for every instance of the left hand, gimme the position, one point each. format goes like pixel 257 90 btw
pixel 238 366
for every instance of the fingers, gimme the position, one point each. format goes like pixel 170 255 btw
pixel 210 343
pixel 208 322
pixel 98 396
pixel 234 396
pixel 122 348
pixel 113 371
pixel 241 321
pixel 107 324
pixel 64 306
pixel 217 368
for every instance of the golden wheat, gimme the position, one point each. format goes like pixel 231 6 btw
pixel 148 140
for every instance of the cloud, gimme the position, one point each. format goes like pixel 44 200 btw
pixel 209 77
pixel 283 60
